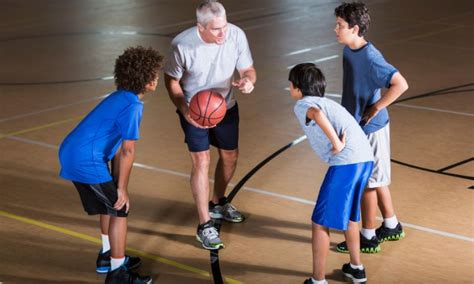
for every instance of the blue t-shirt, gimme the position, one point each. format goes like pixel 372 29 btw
pixel 365 73
pixel 357 149
pixel 85 152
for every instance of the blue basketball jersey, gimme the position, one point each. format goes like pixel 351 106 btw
pixel 85 152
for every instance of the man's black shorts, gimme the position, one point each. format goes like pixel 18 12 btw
pixel 224 136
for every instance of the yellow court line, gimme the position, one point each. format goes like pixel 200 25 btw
pixel 99 241
pixel 39 127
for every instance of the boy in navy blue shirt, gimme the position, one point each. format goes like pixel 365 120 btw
pixel 365 73
pixel 108 134
pixel 339 141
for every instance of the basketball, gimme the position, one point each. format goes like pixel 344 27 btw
pixel 207 108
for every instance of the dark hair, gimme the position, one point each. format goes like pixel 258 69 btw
pixel 309 79
pixel 137 67
pixel 355 13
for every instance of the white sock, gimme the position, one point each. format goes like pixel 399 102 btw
pixel 360 267
pixel 318 281
pixel 391 222
pixel 116 262
pixel 105 243
pixel 368 233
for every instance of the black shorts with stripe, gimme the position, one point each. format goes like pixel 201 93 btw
pixel 99 198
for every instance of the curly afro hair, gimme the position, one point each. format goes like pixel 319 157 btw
pixel 137 67
pixel 355 13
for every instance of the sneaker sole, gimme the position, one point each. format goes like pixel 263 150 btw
pixel 102 269
pixel 354 280
pixel 234 220
pixel 362 250
pixel 392 238
pixel 219 246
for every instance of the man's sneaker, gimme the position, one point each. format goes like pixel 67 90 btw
pixel 122 275
pixel 366 245
pixel 208 235
pixel 356 275
pixel 103 262
pixel 386 234
pixel 225 210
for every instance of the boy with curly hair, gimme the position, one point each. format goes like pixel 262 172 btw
pixel 365 73
pixel 108 134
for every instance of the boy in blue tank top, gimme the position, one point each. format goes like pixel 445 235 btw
pixel 108 134
pixel 339 141
pixel 365 73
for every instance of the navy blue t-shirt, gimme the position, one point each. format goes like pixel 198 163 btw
pixel 85 152
pixel 365 73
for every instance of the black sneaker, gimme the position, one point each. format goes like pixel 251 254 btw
pixel 386 234
pixel 309 281
pixel 122 275
pixel 103 262
pixel 356 275
pixel 366 245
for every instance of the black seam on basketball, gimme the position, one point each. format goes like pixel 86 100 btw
pixel 205 112
pixel 222 101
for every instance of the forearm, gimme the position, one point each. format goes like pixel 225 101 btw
pixel 116 164
pixel 127 156
pixel 323 122
pixel 250 74
pixel 176 94
pixel 398 87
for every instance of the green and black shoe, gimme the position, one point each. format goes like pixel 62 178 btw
pixel 366 245
pixel 386 234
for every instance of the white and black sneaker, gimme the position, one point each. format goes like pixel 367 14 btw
pixel 356 275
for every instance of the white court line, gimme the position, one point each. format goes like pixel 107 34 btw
pixel 264 192
pixel 310 48
pixel 52 108
pixel 435 109
pixel 318 60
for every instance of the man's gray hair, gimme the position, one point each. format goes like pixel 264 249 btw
pixel 209 10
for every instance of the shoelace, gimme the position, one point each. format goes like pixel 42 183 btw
pixel 210 233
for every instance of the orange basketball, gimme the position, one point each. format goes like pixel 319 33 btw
pixel 207 107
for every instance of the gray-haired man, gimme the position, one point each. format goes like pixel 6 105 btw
pixel 205 57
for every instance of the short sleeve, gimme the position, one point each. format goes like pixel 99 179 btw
pixel 302 107
pixel 174 65
pixel 244 60
pixel 382 72
pixel 129 121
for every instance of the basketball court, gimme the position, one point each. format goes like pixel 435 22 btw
pixel 57 59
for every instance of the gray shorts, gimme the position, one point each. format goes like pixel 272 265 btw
pixel 380 143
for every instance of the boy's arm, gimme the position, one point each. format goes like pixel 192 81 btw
pixel 121 168
pixel 318 116
pixel 398 85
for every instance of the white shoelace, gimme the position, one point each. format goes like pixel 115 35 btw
pixel 210 233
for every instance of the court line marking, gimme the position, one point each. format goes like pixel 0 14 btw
pixel 85 237
pixel 52 108
pixel 327 58
pixel 435 109
pixel 261 191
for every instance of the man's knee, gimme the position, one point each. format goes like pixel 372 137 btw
pixel 229 157
pixel 201 160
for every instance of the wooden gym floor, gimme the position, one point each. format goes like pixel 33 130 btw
pixel 56 61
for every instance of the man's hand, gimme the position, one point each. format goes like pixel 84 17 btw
pixel 122 200
pixel 191 121
pixel 244 84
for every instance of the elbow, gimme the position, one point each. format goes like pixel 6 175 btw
pixel 127 152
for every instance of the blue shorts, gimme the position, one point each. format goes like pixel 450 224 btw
pixel 340 194
pixel 224 136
